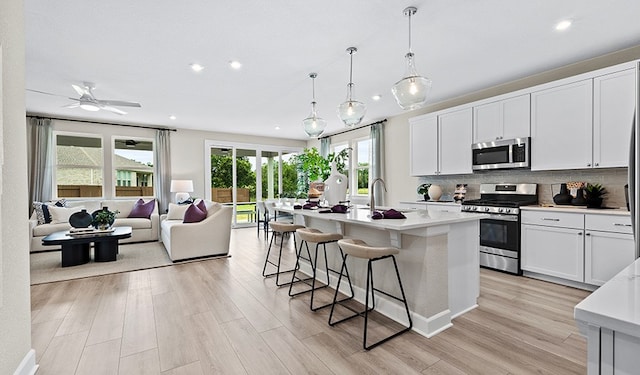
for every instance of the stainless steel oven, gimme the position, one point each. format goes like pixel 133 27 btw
pixel 500 232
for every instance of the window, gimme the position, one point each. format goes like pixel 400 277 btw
pixel 133 166
pixel 79 166
pixel 358 164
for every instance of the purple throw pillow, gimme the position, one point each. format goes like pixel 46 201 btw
pixel 195 214
pixel 143 210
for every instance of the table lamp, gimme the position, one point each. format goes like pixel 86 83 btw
pixel 182 188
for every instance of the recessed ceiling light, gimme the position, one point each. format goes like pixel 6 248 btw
pixel 376 97
pixel 277 127
pixel 563 25
pixel 172 117
pixel 197 67
pixel 234 64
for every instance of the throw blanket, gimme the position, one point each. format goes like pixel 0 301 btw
pixel 388 214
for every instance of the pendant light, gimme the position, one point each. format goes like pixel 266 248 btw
pixel 412 90
pixel 352 111
pixel 314 125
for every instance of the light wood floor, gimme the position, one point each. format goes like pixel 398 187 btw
pixel 221 317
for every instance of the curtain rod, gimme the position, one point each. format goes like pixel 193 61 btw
pixel 103 123
pixel 350 130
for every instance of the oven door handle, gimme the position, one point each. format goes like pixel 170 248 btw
pixel 503 217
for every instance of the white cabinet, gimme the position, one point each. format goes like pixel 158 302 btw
pixel 583 124
pixel 613 107
pixel 431 206
pixel 441 144
pixel 551 250
pixel 608 247
pixel 423 133
pixel 455 130
pixel 503 119
pixel 587 248
pixel 561 123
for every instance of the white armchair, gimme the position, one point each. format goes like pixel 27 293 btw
pixel 209 237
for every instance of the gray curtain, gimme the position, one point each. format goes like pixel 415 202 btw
pixel 39 147
pixel 377 159
pixel 163 169
pixel 325 144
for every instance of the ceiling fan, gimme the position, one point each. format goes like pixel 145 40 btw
pixel 89 102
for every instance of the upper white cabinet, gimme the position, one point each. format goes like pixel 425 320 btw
pixel 561 123
pixel 455 129
pixel 423 133
pixel 503 119
pixel 583 124
pixel 441 144
pixel 613 106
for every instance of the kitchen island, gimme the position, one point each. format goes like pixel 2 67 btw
pixel 438 260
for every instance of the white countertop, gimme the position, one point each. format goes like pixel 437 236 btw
pixel 414 219
pixel 622 211
pixel 616 304
pixel 444 203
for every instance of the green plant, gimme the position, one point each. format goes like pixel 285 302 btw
pixel 423 189
pixel 594 191
pixel 104 218
pixel 314 167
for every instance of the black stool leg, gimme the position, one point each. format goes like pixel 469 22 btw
pixel 297 267
pixel 277 265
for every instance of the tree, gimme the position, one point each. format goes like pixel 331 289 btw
pixel 289 180
pixel 221 172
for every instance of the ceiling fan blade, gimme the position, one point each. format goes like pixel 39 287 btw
pixel 81 91
pixel 48 93
pixel 72 105
pixel 119 103
pixel 113 109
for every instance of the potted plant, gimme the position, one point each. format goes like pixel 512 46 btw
pixel 314 167
pixel 594 194
pixel 423 189
pixel 103 219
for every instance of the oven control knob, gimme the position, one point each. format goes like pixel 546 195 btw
pixel 500 210
pixel 475 208
pixel 486 209
pixel 507 210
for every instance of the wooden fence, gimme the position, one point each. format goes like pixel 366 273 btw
pixel 89 191
pixel 225 195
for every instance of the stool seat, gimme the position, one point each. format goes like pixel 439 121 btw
pixel 316 236
pixel 360 249
pixel 281 227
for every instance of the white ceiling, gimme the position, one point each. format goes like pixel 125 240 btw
pixel 141 51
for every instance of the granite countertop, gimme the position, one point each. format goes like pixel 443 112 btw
pixel 621 211
pixel 616 304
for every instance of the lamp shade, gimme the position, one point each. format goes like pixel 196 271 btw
pixel 181 186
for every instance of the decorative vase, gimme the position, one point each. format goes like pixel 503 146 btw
pixel 102 225
pixel 579 199
pixel 80 219
pixel 435 192
pixel 335 186
pixel 594 202
pixel 564 197
pixel 426 197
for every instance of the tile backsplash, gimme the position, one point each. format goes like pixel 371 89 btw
pixel 613 179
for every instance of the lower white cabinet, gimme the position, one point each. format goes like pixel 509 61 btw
pixel 553 251
pixel 587 248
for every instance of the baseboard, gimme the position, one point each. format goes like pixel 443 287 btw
pixel 561 281
pixel 28 365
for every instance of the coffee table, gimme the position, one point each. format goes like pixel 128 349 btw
pixel 76 248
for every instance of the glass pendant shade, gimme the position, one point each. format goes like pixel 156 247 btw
pixel 351 112
pixel 412 91
pixel 314 125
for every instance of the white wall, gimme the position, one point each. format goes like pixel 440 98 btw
pixel 15 306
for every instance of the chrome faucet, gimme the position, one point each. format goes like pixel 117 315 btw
pixel 372 203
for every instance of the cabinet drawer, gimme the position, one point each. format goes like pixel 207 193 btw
pixel 553 219
pixel 608 223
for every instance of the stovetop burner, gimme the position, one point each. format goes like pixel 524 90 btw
pixel 502 198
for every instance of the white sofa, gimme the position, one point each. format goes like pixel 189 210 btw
pixel 142 229
pixel 208 237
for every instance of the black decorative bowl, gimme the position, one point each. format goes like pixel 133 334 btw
pixel 80 219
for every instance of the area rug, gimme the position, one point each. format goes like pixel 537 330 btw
pixel 46 267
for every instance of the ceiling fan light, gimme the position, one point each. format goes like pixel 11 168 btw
pixel 89 107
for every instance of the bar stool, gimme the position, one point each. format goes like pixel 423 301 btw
pixel 282 229
pixel 360 249
pixel 307 235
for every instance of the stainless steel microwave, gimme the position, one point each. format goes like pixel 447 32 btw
pixel 502 154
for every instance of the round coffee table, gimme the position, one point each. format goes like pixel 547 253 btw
pixel 76 247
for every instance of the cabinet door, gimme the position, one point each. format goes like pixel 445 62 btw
pixel 423 135
pixel 614 98
pixel 553 251
pixel 455 129
pixel 487 122
pixel 606 254
pixel 516 117
pixel 561 127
